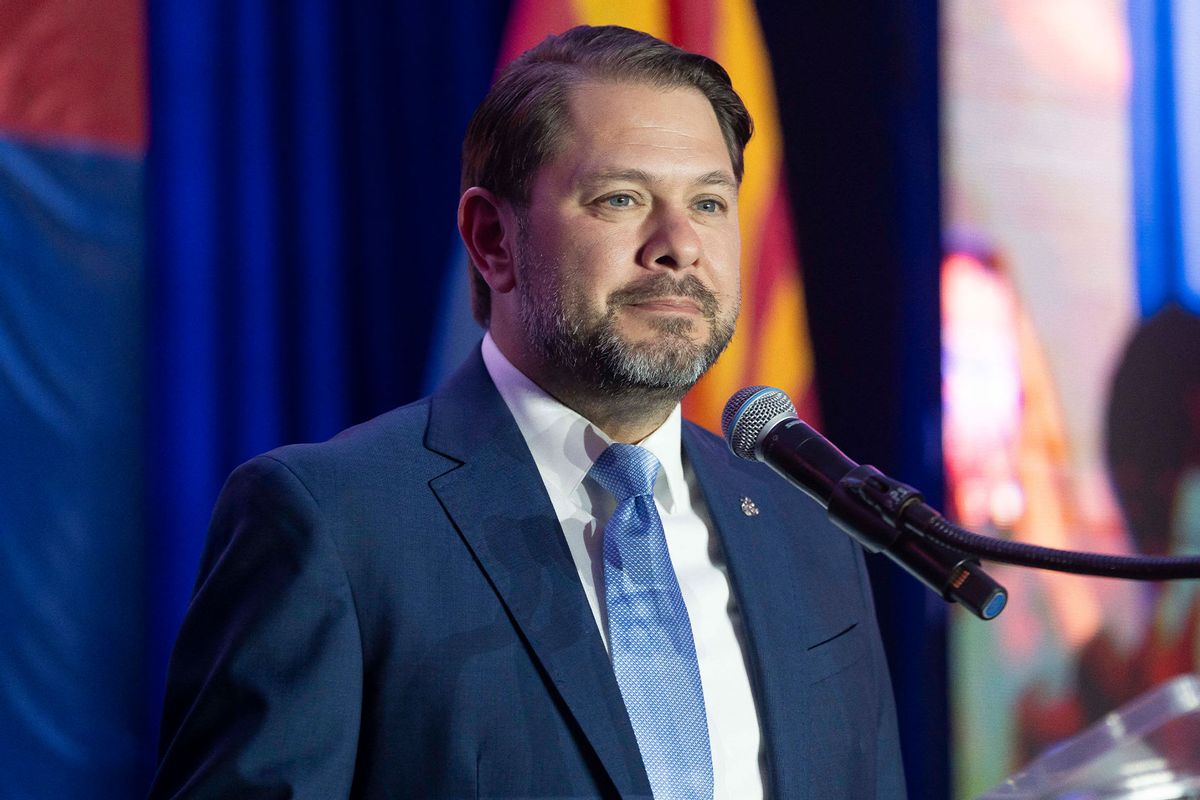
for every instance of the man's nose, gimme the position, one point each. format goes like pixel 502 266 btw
pixel 672 241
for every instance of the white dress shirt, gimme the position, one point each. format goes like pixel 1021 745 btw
pixel 564 446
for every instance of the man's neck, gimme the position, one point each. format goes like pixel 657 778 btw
pixel 625 415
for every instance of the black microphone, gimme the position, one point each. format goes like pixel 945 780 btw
pixel 882 514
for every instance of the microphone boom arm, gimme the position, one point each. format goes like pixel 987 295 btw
pixel 885 515
pixel 872 508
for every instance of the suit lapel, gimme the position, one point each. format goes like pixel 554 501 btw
pixel 766 562
pixel 498 503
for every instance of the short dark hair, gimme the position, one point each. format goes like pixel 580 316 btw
pixel 520 124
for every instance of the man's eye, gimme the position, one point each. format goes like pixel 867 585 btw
pixel 619 201
pixel 709 206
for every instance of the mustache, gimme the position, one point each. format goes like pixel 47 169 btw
pixel 661 286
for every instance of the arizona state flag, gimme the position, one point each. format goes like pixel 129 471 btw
pixel 771 345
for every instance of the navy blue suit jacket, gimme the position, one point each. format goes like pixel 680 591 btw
pixel 394 613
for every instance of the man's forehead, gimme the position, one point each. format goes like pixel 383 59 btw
pixel 627 96
pixel 635 130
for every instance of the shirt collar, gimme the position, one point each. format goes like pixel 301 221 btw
pixel 565 445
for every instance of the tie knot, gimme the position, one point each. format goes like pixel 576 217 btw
pixel 626 470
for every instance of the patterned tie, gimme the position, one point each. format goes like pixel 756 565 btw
pixel 649 634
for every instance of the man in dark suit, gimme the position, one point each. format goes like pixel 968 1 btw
pixel 494 592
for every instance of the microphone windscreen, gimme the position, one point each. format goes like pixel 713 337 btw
pixel 748 412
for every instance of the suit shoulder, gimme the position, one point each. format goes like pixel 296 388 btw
pixel 401 428
pixel 391 445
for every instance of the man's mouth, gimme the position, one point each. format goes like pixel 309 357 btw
pixel 669 305
pixel 665 295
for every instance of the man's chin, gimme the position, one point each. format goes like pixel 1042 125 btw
pixel 649 328
pixel 666 364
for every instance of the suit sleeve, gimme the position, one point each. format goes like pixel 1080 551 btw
pixel 265 683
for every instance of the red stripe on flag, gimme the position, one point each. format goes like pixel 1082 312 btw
pixel 73 71
pixel 776 257
pixel 530 23
pixel 693 25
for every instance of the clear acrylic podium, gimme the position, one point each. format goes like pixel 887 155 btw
pixel 1147 750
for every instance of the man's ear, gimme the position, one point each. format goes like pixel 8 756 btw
pixel 488 230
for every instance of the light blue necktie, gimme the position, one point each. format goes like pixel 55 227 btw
pixel 649 634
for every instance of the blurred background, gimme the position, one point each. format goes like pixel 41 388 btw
pixel 972 256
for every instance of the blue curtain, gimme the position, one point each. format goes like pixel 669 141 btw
pixel 302 186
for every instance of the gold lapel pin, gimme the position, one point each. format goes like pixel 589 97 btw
pixel 748 507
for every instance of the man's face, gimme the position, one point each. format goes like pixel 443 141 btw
pixel 627 255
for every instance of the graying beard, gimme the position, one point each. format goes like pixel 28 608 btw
pixel 650 366
pixel 610 364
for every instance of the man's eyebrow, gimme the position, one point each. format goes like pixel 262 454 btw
pixel 616 175
pixel 718 177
